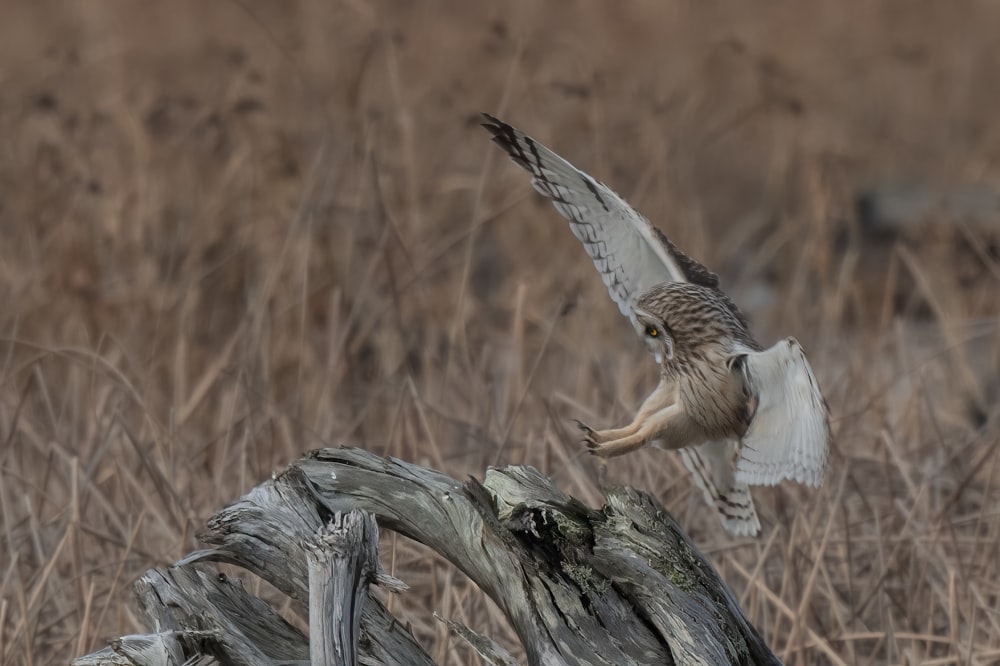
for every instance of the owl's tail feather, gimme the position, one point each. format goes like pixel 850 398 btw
pixel 711 466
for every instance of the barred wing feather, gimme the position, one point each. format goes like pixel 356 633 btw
pixel 630 253
pixel 711 467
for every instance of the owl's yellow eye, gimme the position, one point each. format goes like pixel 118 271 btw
pixel 651 332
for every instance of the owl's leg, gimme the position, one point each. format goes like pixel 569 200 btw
pixel 663 395
pixel 671 425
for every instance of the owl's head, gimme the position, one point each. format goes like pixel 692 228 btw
pixel 676 318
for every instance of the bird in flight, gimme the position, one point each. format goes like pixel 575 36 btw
pixel 739 414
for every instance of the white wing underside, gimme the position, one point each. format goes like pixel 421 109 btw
pixel 789 433
pixel 711 467
pixel 630 253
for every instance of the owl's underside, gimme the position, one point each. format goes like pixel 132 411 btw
pixel 739 415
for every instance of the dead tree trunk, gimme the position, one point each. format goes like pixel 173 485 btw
pixel 618 585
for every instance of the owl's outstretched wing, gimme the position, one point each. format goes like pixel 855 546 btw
pixel 711 467
pixel 789 434
pixel 630 253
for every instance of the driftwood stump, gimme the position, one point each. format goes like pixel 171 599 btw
pixel 617 585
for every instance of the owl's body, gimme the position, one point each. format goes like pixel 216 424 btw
pixel 707 332
pixel 739 415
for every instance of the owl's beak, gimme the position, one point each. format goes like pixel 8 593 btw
pixel 664 350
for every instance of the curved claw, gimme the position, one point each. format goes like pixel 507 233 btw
pixel 594 440
pixel 597 449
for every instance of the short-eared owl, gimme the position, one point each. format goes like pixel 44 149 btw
pixel 740 415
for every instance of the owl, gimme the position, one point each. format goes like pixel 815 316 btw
pixel 739 414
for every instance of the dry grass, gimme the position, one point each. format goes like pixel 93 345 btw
pixel 234 231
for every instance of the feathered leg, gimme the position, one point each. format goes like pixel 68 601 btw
pixel 662 396
pixel 671 424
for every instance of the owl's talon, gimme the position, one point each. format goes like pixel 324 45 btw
pixel 589 440
pixel 597 449
pixel 593 437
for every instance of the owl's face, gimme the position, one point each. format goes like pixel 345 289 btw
pixel 654 332
pixel 675 319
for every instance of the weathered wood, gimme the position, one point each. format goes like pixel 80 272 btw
pixel 333 623
pixel 343 559
pixel 486 647
pixel 233 624
pixel 163 649
pixel 619 585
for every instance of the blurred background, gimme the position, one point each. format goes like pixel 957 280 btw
pixel 231 232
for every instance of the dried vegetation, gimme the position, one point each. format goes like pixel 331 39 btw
pixel 234 231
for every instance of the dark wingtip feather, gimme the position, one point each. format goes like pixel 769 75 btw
pixel 506 137
pixel 496 127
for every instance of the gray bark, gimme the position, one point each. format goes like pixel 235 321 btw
pixel 342 560
pixel 619 585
